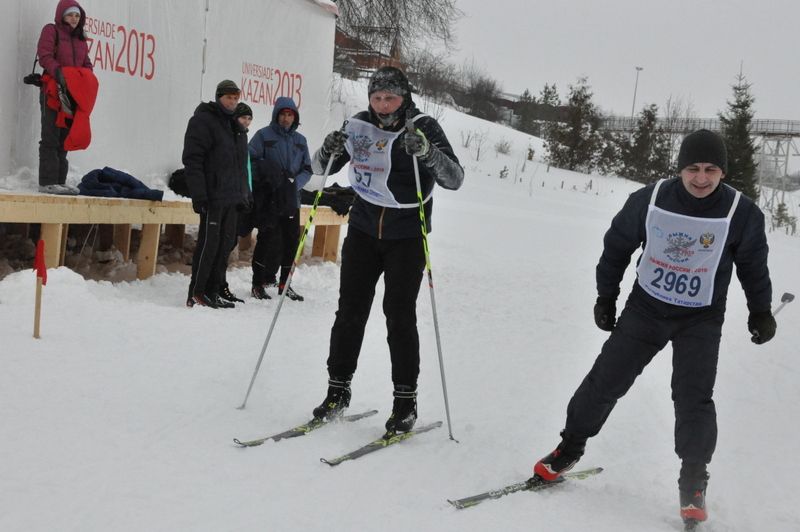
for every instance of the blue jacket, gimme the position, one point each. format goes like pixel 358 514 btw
pixel 111 183
pixel 287 149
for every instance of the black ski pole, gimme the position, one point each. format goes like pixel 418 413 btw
pixel 286 286
pixel 423 226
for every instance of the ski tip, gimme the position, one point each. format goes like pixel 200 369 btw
pixel 330 463
pixel 246 444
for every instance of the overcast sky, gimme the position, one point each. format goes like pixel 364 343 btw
pixel 687 48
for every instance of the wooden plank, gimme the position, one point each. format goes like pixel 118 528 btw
pixel 122 240
pixel 326 242
pixel 46 208
pixel 51 234
pixel 148 251
pixel 331 250
pixel 324 216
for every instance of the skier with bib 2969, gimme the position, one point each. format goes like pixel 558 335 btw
pixel 692 230
pixel 384 235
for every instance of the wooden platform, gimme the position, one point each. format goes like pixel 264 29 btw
pixel 55 213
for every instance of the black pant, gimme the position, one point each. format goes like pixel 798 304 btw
pixel 216 233
pixel 632 345
pixel 53 164
pixel 364 259
pixel 276 248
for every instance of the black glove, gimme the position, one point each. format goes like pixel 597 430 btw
pixel 416 143
pixel 200 206
pixel 334 143
pixel 762 326
pixel 605 313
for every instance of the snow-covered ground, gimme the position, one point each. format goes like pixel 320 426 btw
pixel 121 417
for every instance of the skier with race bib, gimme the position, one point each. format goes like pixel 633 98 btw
pixel 384 235
pixel 692 230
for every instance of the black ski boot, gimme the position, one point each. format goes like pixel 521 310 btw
pixel 202 300
pixel 337 400
pixel 222 303
pixel 404 409
pixel 227 295
pixel 259 292
pixel 692 487
pixel 290 293
pixel 562 459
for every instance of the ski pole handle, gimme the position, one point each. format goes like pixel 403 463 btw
pixel 785 298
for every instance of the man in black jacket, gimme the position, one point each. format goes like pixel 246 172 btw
pixel 692 229
pixel 384 235
pixel 215 157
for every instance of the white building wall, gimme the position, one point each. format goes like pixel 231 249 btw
pixel 156 60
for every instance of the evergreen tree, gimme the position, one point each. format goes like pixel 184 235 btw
pixel 646 157
pixel 526 110
pixel 736 123
pixel 549 102
pixel 575 143
pixel 549 95
pixel 609 160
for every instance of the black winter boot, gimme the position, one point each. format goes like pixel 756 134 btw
pixel 692 487
pixel 227 295
pixel 259 292
pixel 404 409
pixel 562 459
pixel 337 400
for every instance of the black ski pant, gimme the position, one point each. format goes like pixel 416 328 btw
pixel 632 345
pixel 53 165
pixel 364 259
pixel 275 249
pixel 216 233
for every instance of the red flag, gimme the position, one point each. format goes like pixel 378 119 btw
pixel 38 262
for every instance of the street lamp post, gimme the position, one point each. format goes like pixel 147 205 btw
pixel 635 86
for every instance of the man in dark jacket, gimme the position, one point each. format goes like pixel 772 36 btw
pixel 215 158
pixel 692 229
pixel 384 235
pixel 280 156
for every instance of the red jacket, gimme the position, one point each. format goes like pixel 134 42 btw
pixel 82 85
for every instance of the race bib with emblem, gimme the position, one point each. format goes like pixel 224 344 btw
pixel 680 259
pixel 370 150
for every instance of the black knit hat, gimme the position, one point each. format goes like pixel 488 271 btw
pixel 242 109
pixel 226 86
pixel 703 146
pixel 389 79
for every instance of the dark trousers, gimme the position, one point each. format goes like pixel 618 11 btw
pixel 275 249
pixel 364 259
pixel 53 164
pixel 632 345
pixel 216 234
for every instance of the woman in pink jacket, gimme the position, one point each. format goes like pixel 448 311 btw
pixel 62 43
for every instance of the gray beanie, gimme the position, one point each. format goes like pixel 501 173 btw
pixel 227 86
pixel 389 79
